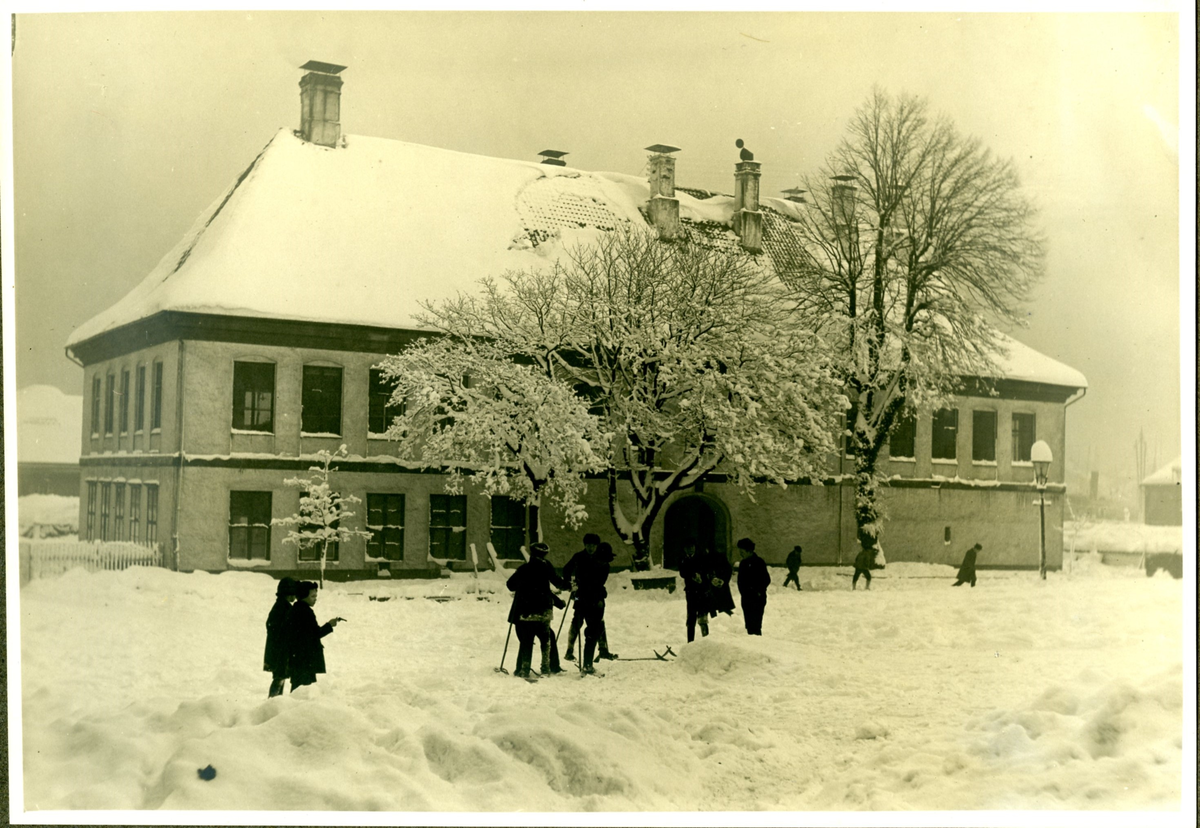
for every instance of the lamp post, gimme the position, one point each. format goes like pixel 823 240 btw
pixel 1041 456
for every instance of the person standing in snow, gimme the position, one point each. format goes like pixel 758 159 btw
pixel 306 654
pixel 275 658
pixel 862 566
pixel 587 572
pixel 533 608
pixel 695 590
pixel 793 567
pixel 571 573
pixel 752 581
pixel 966 572
pixel 720 570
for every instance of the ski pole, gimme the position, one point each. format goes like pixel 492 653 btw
pixel 504 655
pixel 566 611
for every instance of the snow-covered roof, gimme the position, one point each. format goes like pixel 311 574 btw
pixel 1169 475
pixel 49 423
pixel 366 232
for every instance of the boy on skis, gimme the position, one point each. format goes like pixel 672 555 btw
pixel 587 572
pixel 533 608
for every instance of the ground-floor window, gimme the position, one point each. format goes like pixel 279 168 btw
pixel 448 527
pixel 250 525
pixel 105 509
pixel 508 526
pixel 118 511
pixel 385 522
pixel 135 513
pixel 152 513
pixel 90 522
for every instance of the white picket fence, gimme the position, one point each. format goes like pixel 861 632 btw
pixel 50 558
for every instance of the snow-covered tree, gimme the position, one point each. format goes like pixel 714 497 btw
pixel 320 521
pixel 690 355
pixel 918 244
pixel 510 428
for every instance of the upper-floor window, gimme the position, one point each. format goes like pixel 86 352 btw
pixel 139 399
pixel 321 400
pixel 124 404
pixel 110 390
pixel 903 439
pixel 250 525
pixel 945 434
pixel 508 526
pixel 1024 432
pixel 156 396
pixel 448 526
pixel 95 407
pixel 254 396
pixel 385 522
pixel 380 411
pixel 983 436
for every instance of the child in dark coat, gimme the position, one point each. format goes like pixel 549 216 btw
pixel 533 608
pixel 306 655
pixel 275 658
pixel 752 580
pixel 793 566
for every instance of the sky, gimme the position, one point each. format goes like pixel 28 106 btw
pixel 127 125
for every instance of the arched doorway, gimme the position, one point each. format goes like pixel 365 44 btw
pixel 696 518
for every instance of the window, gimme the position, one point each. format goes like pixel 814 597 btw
pixel 254 396
pixel 508 527
pixel 249 525
pixel 1024 432
pixel 448 526
pixel 135 513
pixel 105 509
pixel 983 436
pixel 385 522
pixel 91 509
pixel 124 404
pixel 152 514
pixel 156 397
pixel 139 399
pixel 903 439
pixel 109 393
pixel 311 551
pixel 945 434
pixel 380 410
pixel 119 511
pixel 96 405
pixel 321 400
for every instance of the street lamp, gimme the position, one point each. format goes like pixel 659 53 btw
pixel 1041 456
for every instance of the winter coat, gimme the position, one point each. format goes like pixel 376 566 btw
pixel 753 577
pixel 275 658
pixel 531 587
pixel 966 572
pixel 589 573
pixel 793 561
pixel 720 597
pixel 306 654
pixel 865 560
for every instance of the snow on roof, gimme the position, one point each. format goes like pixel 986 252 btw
pixel 1169 475
pixel 367 232
pixel 49 423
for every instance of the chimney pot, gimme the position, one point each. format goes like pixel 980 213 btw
pixel 747 220
pixel 321 103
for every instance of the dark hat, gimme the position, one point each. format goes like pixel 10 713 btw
pixel 591 537
pixel 747 544
pixel 539 550
pixel 285 588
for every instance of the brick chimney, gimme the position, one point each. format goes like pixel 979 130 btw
pixel 844 199
pixel 664 207
pixel 747 219
pixel 321 103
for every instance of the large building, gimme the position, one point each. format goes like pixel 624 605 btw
pixel 252 346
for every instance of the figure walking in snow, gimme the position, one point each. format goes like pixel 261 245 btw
pixel 587 572
pixel 695 590
pixel 752 581
pixel 793 567
pixel 966 572
pixel 862 566
pixel 306 653
pixel 533 608
pixel 275 658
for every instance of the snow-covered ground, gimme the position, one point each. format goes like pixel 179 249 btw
pixel 1017 694
pixel 1120 536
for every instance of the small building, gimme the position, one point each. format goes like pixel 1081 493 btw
pixel 48 427
pixel 253 345
pixel 1162 496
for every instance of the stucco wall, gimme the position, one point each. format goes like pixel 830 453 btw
pixel 148 440
pixel 1162 505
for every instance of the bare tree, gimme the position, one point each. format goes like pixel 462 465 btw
pixel 918 245
pixel 690 356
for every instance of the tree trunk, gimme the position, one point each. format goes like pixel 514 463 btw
pixel 324 549
pixel 535 521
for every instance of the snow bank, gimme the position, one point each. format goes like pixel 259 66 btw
pixel 1016 694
